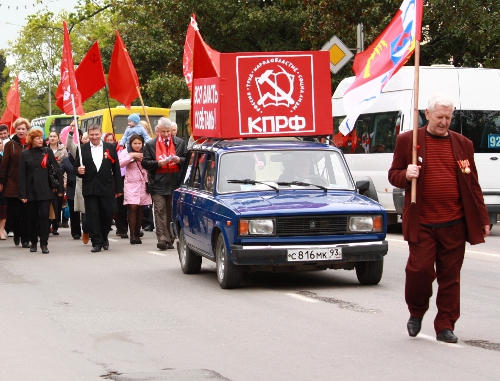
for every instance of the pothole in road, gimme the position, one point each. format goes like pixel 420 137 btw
pixel 483 344
pixel 341 303
pixel 167 374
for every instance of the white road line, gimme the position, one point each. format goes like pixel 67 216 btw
pixel 466 250
pixel 112 240
pixel 303 298
pixel 156 253
pixel 433 338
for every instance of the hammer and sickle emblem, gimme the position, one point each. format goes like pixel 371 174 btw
pixel 279 94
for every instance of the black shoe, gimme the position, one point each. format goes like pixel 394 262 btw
pixel 45 250
pixel 162 245
pixel 64 225
pixel 76 236
pixel 105 245
pixel 447 336
pixel 124 235
pixel 95 249
pixel 17 240
pixel 141 234
pixel 170 246
pixel 414 325
pixel 148 228
pixel 26 245
pixel 32 248
pixel 135 241
pixel 55 232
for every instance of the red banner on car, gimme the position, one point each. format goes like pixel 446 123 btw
pixel 266 94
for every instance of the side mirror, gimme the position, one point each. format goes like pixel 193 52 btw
pixel 362 186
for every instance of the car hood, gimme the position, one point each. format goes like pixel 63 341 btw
pixel 304 201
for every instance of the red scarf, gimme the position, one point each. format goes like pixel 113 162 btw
pixel 162 152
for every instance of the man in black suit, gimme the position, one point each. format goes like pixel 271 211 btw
pixel 101 183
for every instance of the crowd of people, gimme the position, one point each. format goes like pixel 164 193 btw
pixel 89 180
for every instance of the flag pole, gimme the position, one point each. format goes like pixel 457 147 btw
pixel 76 129
pixel 109 109
pixel 145 113
pixel 415 119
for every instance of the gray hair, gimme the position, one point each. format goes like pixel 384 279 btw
pixel 439 99
pixel 164 122
pixel 94 127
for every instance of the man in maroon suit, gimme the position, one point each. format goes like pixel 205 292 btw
pixel 449 211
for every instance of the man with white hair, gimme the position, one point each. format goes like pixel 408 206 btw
pixel 449 210
pixel 174 129
pixel 163 159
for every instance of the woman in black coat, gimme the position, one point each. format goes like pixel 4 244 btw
pixel 35 189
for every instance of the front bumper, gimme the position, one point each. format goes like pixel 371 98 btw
pixel 277 255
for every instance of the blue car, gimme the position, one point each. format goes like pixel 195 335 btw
pixel 275 205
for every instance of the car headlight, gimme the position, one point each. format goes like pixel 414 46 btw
pixel 256 226
pixel 366 223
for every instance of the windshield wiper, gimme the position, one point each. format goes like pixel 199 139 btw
pixel 302 184
pixel 252 182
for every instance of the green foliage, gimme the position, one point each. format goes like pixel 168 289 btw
pixel 4 79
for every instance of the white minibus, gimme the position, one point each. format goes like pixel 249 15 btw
pixel 476 94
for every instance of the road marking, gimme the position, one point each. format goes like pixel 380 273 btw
pixel 156 253
pixel 433 338
pixel 303 298
pixel 112 240
pixel 466 250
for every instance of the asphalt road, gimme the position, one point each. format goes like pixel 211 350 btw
pixel 130 314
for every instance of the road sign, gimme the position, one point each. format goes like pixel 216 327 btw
pixel 339 54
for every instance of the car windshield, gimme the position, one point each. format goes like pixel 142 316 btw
pixel 282 169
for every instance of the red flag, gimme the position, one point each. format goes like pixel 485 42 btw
pixel 13 109
pixel 381 60
pixel 67 86
pixel 208 56
pixel 122 77
pixel 90 74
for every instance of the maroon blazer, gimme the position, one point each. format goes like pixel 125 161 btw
pixel 476 214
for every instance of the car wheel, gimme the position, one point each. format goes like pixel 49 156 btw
pixel 228 274
pixel 190 262
pixel 370 272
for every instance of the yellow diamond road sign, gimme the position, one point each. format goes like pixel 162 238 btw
pixel 339 54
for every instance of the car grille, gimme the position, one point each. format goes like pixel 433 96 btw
pixel 311 225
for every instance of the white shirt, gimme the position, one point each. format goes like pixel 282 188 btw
pixel 97 154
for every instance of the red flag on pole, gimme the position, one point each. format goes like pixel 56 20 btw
pixel 67 85
pixel 90 74
pixel 209 56
pixel 122 77
pixel 13 109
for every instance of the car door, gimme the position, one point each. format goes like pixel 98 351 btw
pixel 189 191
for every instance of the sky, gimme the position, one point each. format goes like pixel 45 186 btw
pixel 13 18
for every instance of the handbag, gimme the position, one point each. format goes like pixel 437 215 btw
pixel 53 175
pixel 148 187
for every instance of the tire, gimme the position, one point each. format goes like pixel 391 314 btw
pixel 370 273
pixel 190 262
pixel 228 274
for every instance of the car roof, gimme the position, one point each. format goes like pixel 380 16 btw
pixel 258 144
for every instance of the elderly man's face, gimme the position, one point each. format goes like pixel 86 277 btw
pixel 164 132
pixel 439 120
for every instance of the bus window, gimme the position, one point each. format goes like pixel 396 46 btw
pixel 372 133
pixel 482 127
pixel 120 122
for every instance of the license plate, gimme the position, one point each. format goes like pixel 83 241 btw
pixel 326 254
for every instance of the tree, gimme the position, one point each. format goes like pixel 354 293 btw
pixel 4 79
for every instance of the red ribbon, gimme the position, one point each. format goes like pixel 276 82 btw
pixel 44 160
pixel 108 156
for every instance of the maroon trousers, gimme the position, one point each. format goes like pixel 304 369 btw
pixel 444 247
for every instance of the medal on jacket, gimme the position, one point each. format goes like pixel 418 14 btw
pixel 464 166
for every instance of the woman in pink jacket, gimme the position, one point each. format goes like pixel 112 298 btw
pixel 135 195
